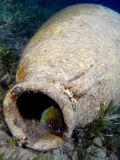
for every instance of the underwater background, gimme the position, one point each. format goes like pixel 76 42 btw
pixel 23 17
pixel 19 20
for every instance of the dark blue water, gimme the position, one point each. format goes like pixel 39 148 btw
pixel 113 4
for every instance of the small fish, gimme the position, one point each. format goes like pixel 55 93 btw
pixel 52 119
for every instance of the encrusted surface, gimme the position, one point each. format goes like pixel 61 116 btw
pixel 77 51
pixel 75 58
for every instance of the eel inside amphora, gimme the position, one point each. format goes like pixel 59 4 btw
pixel 68 68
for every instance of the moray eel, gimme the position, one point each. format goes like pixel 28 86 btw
pixel 52 120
